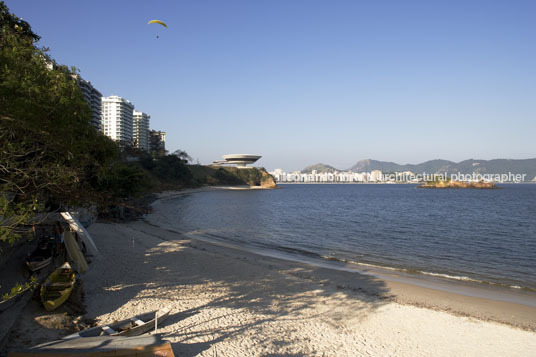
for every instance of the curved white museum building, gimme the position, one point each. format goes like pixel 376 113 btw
pixel 240 160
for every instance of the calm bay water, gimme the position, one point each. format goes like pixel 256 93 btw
pixel 482 235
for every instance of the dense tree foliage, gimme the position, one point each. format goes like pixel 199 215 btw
pixel 49 153
pixel 169 169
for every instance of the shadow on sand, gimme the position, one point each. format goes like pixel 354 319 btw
pixel 156 265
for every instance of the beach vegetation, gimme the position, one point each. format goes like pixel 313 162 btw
pixel 168 171
pixel 19 288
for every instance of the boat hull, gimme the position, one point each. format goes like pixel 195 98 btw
pixel 126 327
pixel 38 264
pixel 104 346
pixel 58 287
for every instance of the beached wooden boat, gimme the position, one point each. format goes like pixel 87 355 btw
pixel 38 263
pixel 57 288
pixel 39 258
pixel 133 326
pixel 103 346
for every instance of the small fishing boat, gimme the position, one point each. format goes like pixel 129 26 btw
pixel 58 287
pixel 133 326
pixel 39 258
pixel 103 346
pixel 36 263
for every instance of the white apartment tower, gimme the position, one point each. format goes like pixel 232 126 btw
pixel 117 119
pixel 93 98
pixel 141 130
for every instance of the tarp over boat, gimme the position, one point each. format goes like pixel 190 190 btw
pixel 74 252
pixel 83 234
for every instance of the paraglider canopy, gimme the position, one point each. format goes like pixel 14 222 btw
pixel 157 22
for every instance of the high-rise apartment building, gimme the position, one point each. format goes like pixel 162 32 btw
pixel 157 142
pixel 117 119
pixel 93 98
pixel 141 130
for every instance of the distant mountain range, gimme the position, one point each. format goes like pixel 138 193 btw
pixel 497 166
pixel 319 168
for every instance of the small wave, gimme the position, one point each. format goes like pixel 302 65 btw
pixel 472 280
pixel 214 235
pixel 297 251
pixel 348 261
pixel 415 271
pixel 453 277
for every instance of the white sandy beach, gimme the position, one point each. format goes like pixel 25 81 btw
pixel 228 302
pixel 232 303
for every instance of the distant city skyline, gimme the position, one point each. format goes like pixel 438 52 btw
pixel 469 165
pixel 307 82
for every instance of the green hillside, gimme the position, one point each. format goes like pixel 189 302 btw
pixel 319 168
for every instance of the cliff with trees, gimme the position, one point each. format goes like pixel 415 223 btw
pixel 232 176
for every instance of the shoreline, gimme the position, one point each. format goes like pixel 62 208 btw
pixel 187 191
pixel 464 298
pixel 446 281
pixel 232 302
pixel 228 301
pixel 439 281
pixel 487 303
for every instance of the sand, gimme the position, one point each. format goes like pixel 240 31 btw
pixel 229 302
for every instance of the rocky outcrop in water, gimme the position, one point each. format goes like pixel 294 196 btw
pixel 267 180
pixel 459 184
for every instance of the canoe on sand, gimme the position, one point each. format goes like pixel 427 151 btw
pixel 57 288
pixel 104 346
pixel 133 326
pixel 40 257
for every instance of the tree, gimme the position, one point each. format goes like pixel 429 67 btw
pixel 49 153
pixel 11 22
pixel 183 155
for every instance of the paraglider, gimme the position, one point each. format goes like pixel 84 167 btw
pixel 157 22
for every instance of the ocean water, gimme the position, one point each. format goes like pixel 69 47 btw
pixel 485 236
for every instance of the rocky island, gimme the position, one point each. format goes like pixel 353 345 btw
pixel 458 184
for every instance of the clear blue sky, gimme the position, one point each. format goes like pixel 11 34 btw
pixel 302 82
